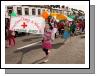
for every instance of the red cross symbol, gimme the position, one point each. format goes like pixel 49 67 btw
pixel 24 25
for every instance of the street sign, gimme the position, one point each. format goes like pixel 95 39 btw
pixel 29 24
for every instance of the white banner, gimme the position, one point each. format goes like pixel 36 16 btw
pixel 29 24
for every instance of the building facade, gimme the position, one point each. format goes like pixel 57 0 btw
pixel 35 10
pixel 24 10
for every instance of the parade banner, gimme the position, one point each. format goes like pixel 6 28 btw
pixel 29 24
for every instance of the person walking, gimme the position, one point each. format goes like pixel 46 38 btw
pixel 83 26
pixel 47 41
pixel 73 28
pixel 59 28
pixel 66 34
pixel 54 31
pixel 80 24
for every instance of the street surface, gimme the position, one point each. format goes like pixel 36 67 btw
pixel 70 52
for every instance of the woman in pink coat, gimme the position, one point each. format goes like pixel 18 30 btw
pixel 47 41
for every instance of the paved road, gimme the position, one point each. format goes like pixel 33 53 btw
pixel 70 52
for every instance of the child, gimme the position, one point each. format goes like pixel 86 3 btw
pixel 46 42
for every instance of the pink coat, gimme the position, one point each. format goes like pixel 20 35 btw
pixel 46 43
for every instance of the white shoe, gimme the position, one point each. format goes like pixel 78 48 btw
pixel 49 51
pixel 46 60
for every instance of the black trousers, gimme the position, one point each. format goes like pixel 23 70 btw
pixel 59 31
pixel 45 50
pixel 55 35
pixel 73 30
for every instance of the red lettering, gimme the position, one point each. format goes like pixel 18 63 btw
pixel 25 19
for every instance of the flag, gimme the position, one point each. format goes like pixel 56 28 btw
pixel 72 17
pixel 13 14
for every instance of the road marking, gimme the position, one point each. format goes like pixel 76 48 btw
pixel 28 45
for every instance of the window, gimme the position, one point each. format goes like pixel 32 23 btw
pixel 26 11
pixel 39 12
pixel 33 12
pixel 19 10
pixel 9 9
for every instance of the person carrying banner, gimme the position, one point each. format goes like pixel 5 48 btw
pixel 11 38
